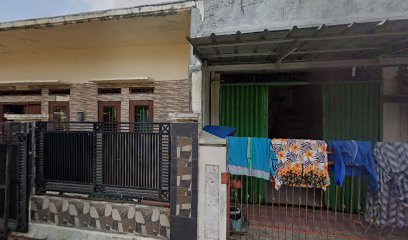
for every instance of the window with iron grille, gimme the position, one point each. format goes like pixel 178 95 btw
pixel 141 90
pixel 109 90
pixel 20 92
pixel 65 91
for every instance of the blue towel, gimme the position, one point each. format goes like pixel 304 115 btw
pixel 237 158
pixel 251 157
pixel 263 158
pixel 220 131
pixel 357 154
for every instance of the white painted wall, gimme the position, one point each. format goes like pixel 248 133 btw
pixel 212 195
pixel 395 115
pixel 160 62
pixel 228 16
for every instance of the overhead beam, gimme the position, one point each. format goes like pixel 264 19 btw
pixel 395 47
pixel 248 54
pixel 244 43
pixel 285 53
pixel 310 64
pixel 300 39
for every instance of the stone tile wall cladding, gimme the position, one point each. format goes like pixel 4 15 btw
pixel 184 176
pixel 184 180
pixel 101 216
pixel 168 97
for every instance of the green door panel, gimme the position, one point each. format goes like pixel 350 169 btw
pixel 246 109
pixel 350 111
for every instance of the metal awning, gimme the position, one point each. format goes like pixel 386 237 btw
pixel 356 44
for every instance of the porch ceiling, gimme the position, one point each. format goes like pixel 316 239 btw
pixel 356 44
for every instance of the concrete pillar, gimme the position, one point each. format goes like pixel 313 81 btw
pixel 183 183
pixel 212 195
pixel 197 92
pixel 215 99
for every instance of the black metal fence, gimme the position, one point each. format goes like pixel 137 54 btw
pixel 125 160
pixel 15 147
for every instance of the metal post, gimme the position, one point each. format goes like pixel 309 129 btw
pixel 98 163
pixel 6 185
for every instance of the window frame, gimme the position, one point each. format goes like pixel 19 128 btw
pixel 102 104
pixel 52 105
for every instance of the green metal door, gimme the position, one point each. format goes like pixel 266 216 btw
pixel 350 111
pixel 246 109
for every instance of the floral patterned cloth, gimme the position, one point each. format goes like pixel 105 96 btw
pixel 301 163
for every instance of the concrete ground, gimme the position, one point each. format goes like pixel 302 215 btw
pixel 50 232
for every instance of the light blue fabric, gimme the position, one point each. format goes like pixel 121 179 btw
pixel 356 154
pixel 237 158
pixel 263 158
pixel 251 157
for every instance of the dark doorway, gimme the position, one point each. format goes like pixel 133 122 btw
pixel 296 112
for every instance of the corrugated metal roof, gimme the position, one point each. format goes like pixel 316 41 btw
pixel 368 40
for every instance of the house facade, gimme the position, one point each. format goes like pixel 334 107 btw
pixel 229 33
pixel 294 69
pixel 286 69
pixel 98 67
pixel 86 76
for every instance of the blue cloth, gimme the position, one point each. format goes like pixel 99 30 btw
pixel 237 158
pixel 356 154
pixel 263 158
pixel 251 157
pixel 220 131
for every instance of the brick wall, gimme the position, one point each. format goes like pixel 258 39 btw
pixel 168 97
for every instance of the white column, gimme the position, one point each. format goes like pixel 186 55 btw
pixel 212 195
pixel 215 99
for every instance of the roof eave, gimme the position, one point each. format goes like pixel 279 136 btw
pixel 139 11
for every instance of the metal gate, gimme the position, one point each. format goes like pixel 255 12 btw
pixel 302 213
pixel 110 160
pixel 15 155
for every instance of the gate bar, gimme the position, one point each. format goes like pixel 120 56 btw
pixel 6 185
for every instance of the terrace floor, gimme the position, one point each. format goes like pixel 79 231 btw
pixel 294 222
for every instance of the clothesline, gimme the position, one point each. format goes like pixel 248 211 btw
pixel 306 163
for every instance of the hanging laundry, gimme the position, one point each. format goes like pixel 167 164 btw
pixel 263 158
pixel 237 155
pixel 353 158
pixel 389 205
pixel 251 157
pixel 301 163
